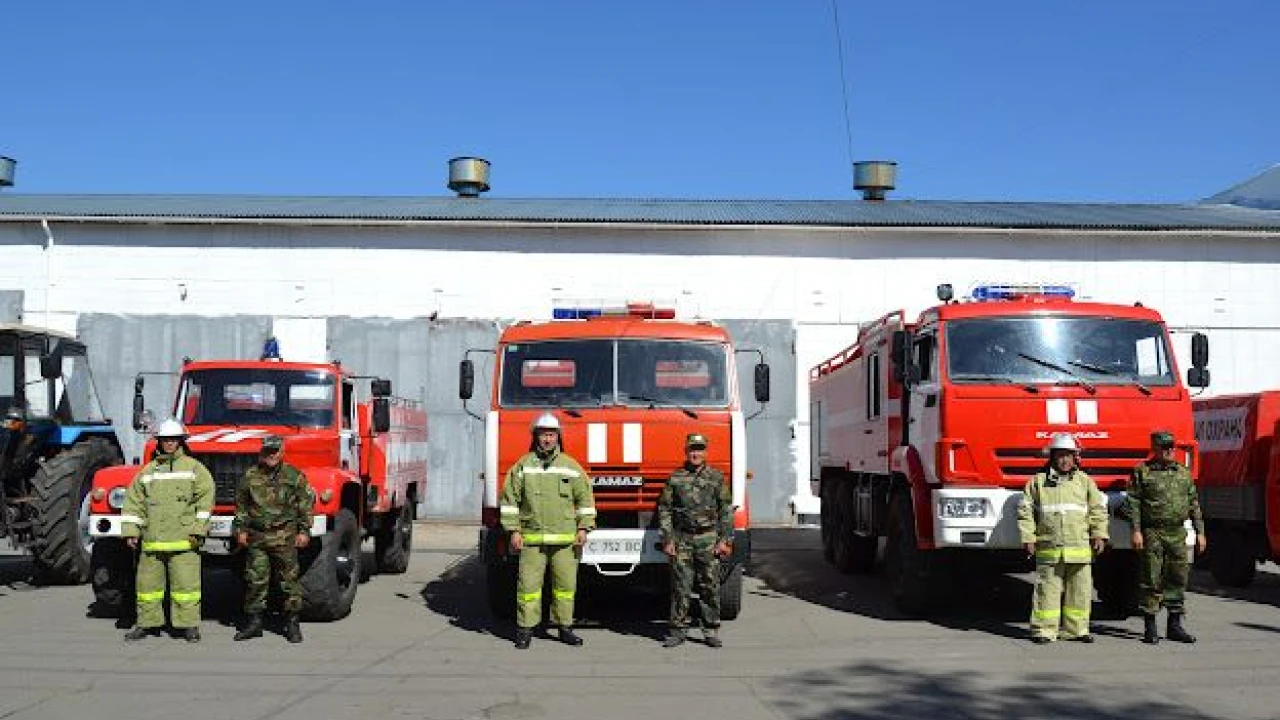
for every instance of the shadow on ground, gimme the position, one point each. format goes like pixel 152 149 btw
pixel 888 691
pixel 1264 590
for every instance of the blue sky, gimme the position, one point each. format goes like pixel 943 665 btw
pixel 1090 100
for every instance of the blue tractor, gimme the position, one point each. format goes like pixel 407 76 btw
pixel 54 437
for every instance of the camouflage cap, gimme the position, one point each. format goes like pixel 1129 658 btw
pixel 1162 439
pixel 695 440
pixel 272 444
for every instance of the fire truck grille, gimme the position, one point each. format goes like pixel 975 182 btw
pixel 227 469
pixel 621 493
pixel 1107 465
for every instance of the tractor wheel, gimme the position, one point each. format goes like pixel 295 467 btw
pixel 329 583
pixel 62 546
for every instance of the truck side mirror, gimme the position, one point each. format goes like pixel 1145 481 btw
pixel 139 410
pixel 466 379
pixel 1200 352
pixel 762 382
pixel 1198 377
pixel 897 356
pixel 380 388
pixel 381 414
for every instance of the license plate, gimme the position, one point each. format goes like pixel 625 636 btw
pixel 630 547
pixel 220 526
pixel 615 548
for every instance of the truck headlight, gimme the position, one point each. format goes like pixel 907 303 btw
pixel 116 497
pixel 963 507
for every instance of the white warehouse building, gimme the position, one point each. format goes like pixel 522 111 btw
pixel 402 286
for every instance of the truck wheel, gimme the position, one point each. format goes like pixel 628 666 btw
pixel 827 519
pixel 114 569
pixel 730 591
pixel 1231 560
pixel 500 583
pixel 862 551
pixel 392 545
pixel 908 567
pixel 1115 577
pixel 329 584
pixel 843 536
pixel 61 552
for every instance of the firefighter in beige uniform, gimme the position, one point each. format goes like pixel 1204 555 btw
pixel 1063 523
pixel 166 515
pixel 548 508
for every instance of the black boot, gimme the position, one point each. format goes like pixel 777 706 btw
pixel 191 634
pixel 712 637
pixel 292 632
pixel 524 636
pixel 251 629
pixel 1176 632
pixel 675 636
pixel 139 633
pixel 1150 635
pixel 569 637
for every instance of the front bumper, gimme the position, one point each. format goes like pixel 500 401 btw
pixel 613 551
pixel 217 542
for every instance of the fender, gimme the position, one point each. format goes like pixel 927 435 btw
pixel 905 462
pixel 69 435
pixel 328 484
pixel 106 480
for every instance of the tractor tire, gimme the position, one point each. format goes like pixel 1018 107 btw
pixel 330 581
pixel 1231 560
pixel 910 570
pixel 730 591
pixel 500 586
pixel 114 569
pixel 393 545
pixel 61 552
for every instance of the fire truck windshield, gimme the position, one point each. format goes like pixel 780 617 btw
pixel 591 373
pixel 1054 350
pixel 253 396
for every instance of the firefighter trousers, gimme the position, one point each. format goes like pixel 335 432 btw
pixel 181 572
pixel 534 560
pixel 1062 599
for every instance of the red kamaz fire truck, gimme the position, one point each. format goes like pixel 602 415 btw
pixel 627 384
pixel 363 451
pixel 1239 483
pixel 924 432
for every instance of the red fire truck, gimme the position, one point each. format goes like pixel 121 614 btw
pixel 1240 482
pixel 628 384
pixel 924 432
pixel 363 451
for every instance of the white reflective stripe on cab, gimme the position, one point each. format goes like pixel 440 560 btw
pixel 587 511
pixel 134 519
pixel 1064 507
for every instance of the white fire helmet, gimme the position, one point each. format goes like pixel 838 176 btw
pixel 545 421
pixel 171 428
pixel 1063 441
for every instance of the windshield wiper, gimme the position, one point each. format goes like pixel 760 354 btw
pixel 1107 371
pixel 1002 379
pixel 1088 386
pixel 654 403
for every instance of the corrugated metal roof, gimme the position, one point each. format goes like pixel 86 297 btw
pixel 839 213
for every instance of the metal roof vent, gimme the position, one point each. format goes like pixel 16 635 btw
pixel 469 176
pixel 874 178
pixel 7 167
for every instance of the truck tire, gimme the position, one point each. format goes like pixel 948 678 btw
pixel 500 584
pixel 909 569
pixel 1115 577
pixel 329 583
pixel 842 533
pixel 393 545
pixel 61 552
pixel 827 519
pixel 114 569
pixel 730 591
pixel 1231 560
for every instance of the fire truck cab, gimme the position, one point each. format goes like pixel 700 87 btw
pixel 627 385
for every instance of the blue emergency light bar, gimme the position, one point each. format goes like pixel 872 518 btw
pixel 640 310
pixel 568 313
pixel 1012 291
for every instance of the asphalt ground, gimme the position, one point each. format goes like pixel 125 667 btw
pixel 810 643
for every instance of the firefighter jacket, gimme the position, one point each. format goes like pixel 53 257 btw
pixel 1060 514
pixel 547 499
pixel 1162 496
pixel 169 503
pixel 273 500
pixel 695 501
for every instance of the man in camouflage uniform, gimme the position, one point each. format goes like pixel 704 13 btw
pixel 548 508
pixel 695 515
pixel 273 520
pixel 1063 523
pixel 166 512
pixel 1162 497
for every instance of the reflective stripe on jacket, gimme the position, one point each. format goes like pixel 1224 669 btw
pixel 168 503
pixel 1060 514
